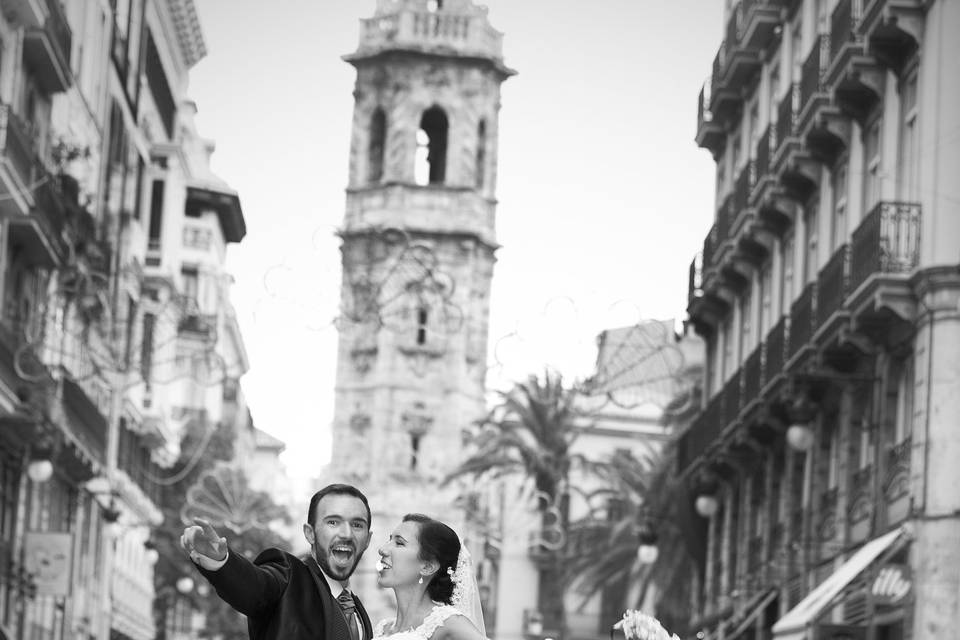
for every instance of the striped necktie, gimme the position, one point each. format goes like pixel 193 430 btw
pixel 345 600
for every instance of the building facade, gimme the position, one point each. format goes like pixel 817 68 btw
pixel 827 291
pixel 116 326
pixel 418 243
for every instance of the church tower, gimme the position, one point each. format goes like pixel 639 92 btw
pixel 418 243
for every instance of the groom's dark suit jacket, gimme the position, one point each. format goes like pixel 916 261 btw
pixel 283 597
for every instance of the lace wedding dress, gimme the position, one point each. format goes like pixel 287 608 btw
pixel 437 616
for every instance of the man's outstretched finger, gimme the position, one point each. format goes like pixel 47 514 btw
pixel 207 528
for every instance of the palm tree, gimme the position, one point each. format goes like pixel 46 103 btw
pixel 643 497
pixel 530 433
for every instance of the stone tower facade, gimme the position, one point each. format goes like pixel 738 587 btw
pixel 418 243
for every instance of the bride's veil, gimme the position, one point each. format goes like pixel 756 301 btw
pixel 466 594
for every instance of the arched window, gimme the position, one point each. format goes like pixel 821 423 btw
pixel 481 154
pixel 376 147
pixel 431 157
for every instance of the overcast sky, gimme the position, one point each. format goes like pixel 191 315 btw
pixel 604 197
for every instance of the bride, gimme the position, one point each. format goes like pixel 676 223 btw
pixel 432 578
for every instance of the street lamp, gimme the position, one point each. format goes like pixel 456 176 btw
pixel 185 585
pixel 40 470
pixel 706 505
pixel 800 437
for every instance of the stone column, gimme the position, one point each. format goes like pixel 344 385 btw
pixel 935 555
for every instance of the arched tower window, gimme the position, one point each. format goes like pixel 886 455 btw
pixel 375 150
pixel 481 153
pixel 431 157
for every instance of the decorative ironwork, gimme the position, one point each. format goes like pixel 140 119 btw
pixel 731 399
pixel 898 469
pixel 223 496
pixel 706 427
pixel 753 375
pixel 786 118
pixel 827 529
pixel 832 284
pixel 887 241
pixel 861 494
pixel 776 349
pixel 801 319
pixel 642 364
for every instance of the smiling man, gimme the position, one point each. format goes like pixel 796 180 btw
pixel 283 596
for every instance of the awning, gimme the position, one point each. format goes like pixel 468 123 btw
pixel 792 625
pixel 753 610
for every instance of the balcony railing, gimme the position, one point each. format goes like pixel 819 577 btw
pixel 710 133
pixel 776 349
pixel 706 428
pixel 47 49
pixel 832 285
pixel 460 32
pixel 811 79
pixel 786 118
pixel 887 241
pixel 753 374
pixel 731 400
pixel 762 161
pixel 801 319
pixel 16 145
pixel 843 27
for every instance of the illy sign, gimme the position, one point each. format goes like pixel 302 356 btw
pixel 892 584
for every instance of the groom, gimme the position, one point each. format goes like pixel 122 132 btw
pixel 283 597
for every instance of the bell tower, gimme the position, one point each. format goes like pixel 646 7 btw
pixel 418 243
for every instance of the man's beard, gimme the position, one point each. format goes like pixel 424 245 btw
pixel 322 556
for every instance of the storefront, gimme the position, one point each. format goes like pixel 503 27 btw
pixel 871 591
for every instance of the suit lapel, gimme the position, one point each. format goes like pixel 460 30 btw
pixel 364 618
pixel 334 622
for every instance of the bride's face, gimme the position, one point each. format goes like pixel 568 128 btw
pixel 400 562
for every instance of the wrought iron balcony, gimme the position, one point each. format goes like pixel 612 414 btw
pixel 893 30
pixel 886 242
pixel 704 430
pixel 726 101
pixel 832 285
pixel 47 50
pixel 785 132
pixel 741 211
pixel 695 284
pixel 753 375
pixel 854 78
pixel 731 400
pixel 743 60
pixel 812 89
pixel 17 163
pixel 760 19
pixel 710 133
pixel 802 314
pixel 775 349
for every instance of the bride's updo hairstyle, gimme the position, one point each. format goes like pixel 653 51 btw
pixel 440 543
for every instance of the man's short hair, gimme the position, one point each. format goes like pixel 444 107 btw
pixel 337 489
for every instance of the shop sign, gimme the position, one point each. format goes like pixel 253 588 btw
pixel 892 584
pixel 48 558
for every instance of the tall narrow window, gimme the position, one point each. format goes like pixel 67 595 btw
pixel 746 325
pixel 838 221
pixel 156 214
pixel 431 155
pixel 871 163
pixel 375 150
pixel 146 347
pixel 810 262
pixel 481 154
pixel 908 166
pixel 414 450
pixel 422 325
pixel 191 287
pixel 786 273
pixel 765 306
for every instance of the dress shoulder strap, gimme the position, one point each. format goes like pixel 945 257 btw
pixel 437 617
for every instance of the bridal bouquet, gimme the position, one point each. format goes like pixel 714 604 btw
pixel 639 626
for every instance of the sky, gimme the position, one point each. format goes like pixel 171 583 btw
pixel 604 198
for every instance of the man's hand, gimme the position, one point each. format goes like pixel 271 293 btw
pixel 204 545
